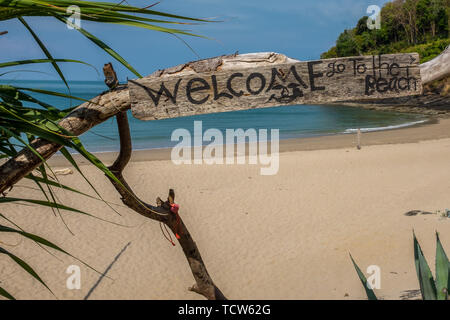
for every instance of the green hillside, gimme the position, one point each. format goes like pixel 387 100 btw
pixel 406 26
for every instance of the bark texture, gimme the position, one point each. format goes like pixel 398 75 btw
pixel 115 103
pixel 163 213
pixel 80 120
pixel 436 69
pixel 241 82
pixel 108 104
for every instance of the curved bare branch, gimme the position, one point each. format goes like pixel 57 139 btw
pixel 162 213
pixel 110 103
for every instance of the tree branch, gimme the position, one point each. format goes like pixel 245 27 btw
pixel 80 120
pixel 110 103
pixel 162 213
pixel 116 102
pixel 437 68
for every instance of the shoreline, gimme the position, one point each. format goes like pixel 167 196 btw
pixel 300 223
pixel 432 129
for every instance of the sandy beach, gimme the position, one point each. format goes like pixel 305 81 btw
pixel 286 236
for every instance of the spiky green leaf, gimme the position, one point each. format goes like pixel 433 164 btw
pixel 25 266
pixel 442 271
pixel 424 275
pixel 6 294
pixel 369 291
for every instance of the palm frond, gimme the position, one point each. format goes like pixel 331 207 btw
pixel 20 123
pixel 44 49
pixel 100 12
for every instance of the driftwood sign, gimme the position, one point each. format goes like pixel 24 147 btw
pixel 248 81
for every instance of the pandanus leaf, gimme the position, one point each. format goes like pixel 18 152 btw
pixel 426 281
pixel 442 271
pixel 369 292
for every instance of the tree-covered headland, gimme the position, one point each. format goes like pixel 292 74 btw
pixel 420 26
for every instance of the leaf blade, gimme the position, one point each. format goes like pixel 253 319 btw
pixel 442 271
pixel 424 275
pixel 45 50
pixel 369 292
pixel 26 267
pixel 6 294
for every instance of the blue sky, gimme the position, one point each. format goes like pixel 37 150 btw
pixel 301 29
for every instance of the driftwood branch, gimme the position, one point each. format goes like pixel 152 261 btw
pixel 240 82
pixel 108 104
pixel 115 103
pixel 436 69
pixel 162 213
pixel 80 120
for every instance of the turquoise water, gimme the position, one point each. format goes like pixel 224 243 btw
pixel 292 121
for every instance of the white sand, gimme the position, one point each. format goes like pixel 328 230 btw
pixel 286 236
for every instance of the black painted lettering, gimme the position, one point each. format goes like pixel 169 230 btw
pixel 313 76
pixel 400 84
pixel 341 68
pixel 156 95
pixel 189 90
pixel 393 84
pixel 370 85
pixel 361 68
pixel 407 76
pixel 331 73
pixel 262 83
pixel 283 77
pixel 356 66
pixel 230 86
pixel 297 77
pixel 385 66
pixel 382 85
pixel 392 66
pixel 374 68
pixel 409 83
pixel 218 95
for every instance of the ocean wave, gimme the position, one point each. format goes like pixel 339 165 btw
pixel 403 125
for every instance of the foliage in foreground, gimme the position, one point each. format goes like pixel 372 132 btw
pixel 24 118
pixel 430 288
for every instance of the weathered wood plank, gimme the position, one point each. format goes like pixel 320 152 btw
pixel 436 69
pixel 239 82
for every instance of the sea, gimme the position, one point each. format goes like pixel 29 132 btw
pixel 300 121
